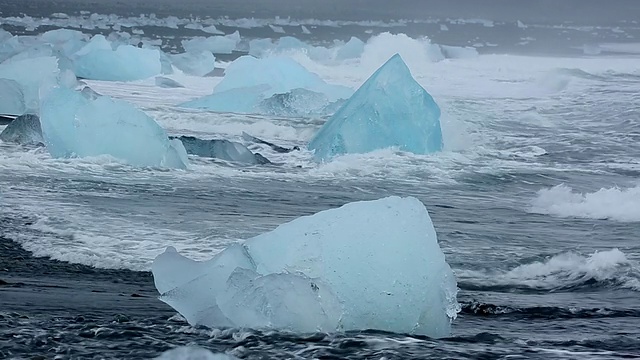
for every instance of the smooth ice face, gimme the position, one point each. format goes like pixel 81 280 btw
pixel 389 110
pixel 76 126
pixel 198 63
pixel 11 98
pixel 25 130
pixel 31 74
pixel 97 60
pixel 366 265
pixel 249 81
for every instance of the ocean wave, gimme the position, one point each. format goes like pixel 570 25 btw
pixel 563 272
pixel 607 203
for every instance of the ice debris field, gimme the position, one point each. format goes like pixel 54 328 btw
pixel 343 269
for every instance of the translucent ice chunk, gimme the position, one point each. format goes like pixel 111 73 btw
pixel 11 98
pixel 75 126
pixel 221 149
pixel 389 109
pixel 31 74
pixel 198 63
pixel 99 61
pixel 366 265
pixel 215 44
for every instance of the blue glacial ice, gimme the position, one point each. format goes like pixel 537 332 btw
pixel 221 149
pixel 365 265
pixel 24 130
pixel 32 75
pixel 98 60
pixel 215 44
pixel 76 126
pixel 197 63
pixel 389 110
pixel 11 98
pixel 249 81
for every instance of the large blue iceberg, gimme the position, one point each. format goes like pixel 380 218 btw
pixel 76 126
pixel 248 82
pixel 366 265
pixel 389 110
pixel 97 60
pixel 31 75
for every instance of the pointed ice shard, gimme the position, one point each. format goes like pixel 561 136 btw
pixel 389 109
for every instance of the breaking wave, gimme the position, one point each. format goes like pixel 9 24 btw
pixel 607 203
pixel 563 272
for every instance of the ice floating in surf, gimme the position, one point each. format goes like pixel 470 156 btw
pixel 76 126
pixel 197 63
pixel 249 81
pixel 97 60
pixel 389 110
pixel 365 265
pixel 215 44
pixel 31 75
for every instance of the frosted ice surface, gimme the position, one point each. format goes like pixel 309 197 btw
pixel 31 74
pixel 11 98
pixel 389 110
pixel 215 44
pixel 99 61
pixel 366 265
pixel 74 126
pixel 212 30
pixel 248 81
pixel 25 130
pixel 198 63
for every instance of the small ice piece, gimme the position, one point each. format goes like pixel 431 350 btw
pixel 198 63
pixel 305 30
pixel 215 44
pixel 11 98
pixel 248 81
pixel 365 265
pixel 24 130
pixel 98 61
pixel 212 30
pixel 74 126
pixel 277 29
pixel 389 110
pixel 458 52
pixel 165 82
pixel 31 74
pixel 221 149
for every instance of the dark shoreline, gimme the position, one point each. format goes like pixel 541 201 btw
pixel 34 286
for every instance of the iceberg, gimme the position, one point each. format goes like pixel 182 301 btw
pixel 297 102
pixel 24 130
pixel 97 60
pixel 221 149
pixel 215 44
pixel 365 265
pixel 11 98
pixel 31 74
pixel 198 63
pixel 389 110
pixel 249 81
pixel 351 50
pixel 76 126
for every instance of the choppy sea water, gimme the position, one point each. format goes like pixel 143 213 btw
pixel 535 200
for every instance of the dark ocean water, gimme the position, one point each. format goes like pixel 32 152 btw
pixel 545 270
